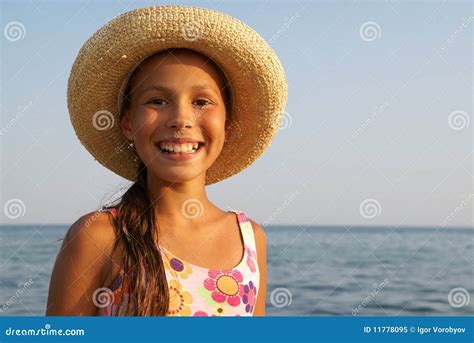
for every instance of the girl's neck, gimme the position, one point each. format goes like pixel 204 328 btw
pixel 180 201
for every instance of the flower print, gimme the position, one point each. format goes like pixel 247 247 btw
pixel 247 231
pixel 221 310
pixel 251 256
pixel 177 267
pixel 200 314
pixel 206 295
pixel 250 294
pixel 242 217
pixel 225 286
pixel 180 300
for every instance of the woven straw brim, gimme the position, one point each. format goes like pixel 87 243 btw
pixel 256 76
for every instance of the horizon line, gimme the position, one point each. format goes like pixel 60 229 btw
pixel 311 226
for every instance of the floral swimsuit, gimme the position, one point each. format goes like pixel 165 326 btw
pixel 198 291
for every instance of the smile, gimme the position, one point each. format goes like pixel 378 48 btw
pixel 179 152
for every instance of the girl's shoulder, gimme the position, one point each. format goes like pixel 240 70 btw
pixel 92 237
pixel 96 226
pixel 258 231
pixel 82 263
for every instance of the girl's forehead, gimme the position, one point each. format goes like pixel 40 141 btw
pixel 188 68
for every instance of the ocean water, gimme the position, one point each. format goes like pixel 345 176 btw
pixel 312 271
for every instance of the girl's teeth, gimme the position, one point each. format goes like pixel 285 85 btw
pixel 181 148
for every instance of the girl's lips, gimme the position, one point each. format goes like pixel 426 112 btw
pixel 179 156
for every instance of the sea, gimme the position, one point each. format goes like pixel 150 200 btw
pixel 311 271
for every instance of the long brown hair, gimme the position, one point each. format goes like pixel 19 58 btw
pixel 142 261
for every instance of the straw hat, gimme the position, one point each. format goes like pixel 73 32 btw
pixel 105 62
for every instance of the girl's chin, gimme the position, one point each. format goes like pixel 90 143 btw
pixel 176 174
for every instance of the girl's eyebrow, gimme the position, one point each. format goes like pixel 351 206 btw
pixel 167 89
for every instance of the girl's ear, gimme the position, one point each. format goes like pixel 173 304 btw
pixel 125 125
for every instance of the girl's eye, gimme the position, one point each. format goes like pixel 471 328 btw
pixel 157 101
pixel 202 102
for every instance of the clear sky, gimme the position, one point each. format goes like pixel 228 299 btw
pixel 378 129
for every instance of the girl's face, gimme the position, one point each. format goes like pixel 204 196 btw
pixel 176 98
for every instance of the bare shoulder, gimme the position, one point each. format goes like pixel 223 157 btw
pixel 93 232
pixel 82 262
pixel 92 238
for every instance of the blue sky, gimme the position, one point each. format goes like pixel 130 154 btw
pixel 378 128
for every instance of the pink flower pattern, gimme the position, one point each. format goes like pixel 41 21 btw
pixel 225 285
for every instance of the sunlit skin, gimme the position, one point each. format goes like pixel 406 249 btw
pixel 177 95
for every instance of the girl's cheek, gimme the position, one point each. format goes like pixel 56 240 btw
pixel 145 120
pixel 213 121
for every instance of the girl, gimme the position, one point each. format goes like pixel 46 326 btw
pixel 165 248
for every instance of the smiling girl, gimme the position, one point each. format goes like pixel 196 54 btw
pixel 185 106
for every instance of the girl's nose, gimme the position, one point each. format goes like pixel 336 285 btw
pixel 181 117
